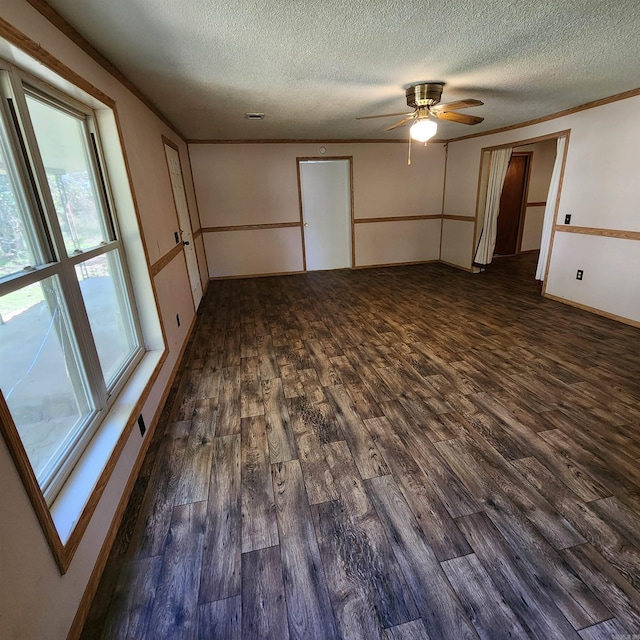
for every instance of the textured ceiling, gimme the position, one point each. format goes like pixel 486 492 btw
pixel 312 66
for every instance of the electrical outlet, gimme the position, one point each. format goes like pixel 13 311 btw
pixel 567 219
pixel 178 318
pixel 176 235
pixel 579 274
pixel 141 424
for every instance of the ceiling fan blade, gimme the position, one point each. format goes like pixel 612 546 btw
pixel 458 104
pixel 462 118
pixel 384 115
pixel 403 121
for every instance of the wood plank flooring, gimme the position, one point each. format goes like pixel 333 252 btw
pixel 401 453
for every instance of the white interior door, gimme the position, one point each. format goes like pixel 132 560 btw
pixel 325 186
pixel 184 220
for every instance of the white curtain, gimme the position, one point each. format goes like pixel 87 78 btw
pixel 550 209
pixel 499 165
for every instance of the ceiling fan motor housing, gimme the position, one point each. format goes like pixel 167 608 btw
pixel 424 95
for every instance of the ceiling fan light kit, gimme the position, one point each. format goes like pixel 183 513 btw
pixel 423 129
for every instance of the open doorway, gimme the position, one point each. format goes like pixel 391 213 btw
pixel 512 205
pixel 543 157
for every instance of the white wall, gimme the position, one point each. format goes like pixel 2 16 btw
pixel 600 190
pixel 257 184
pixel 35 600
pixel 601 259
pixel 601 186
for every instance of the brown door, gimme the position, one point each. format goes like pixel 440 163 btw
pixel 511 205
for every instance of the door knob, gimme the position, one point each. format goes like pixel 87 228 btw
pixel 185 242
pixel 306 224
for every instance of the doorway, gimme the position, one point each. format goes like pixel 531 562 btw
pixel 541 196
pixel 326 212
pixel 184 221
pixel 512 205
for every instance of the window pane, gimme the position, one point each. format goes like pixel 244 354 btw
pixel 39 373
pixel 106 302
pixel 63 143
pixel 15 246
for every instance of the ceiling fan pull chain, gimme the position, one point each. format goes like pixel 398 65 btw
pixel 409 160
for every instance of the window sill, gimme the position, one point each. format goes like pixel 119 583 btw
pixel 71 510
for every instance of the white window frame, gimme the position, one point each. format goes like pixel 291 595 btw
pixel 55 261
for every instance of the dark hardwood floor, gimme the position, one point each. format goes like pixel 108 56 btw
pixel 399 453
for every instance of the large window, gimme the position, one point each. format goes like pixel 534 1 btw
pixel 69 334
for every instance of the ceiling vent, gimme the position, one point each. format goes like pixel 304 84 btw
pixel 254 116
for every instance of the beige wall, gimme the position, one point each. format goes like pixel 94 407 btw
pixel 35 600
pixel 532 228
pixel 600 190
pixel 397 242
pixel 542 159
pixel 543 155
pixel 457 240
pixel 254 251
pixel 254 184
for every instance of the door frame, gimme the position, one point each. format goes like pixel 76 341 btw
pixel 351 223
pixel 169 143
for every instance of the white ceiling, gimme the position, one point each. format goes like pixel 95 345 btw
pixel 312 66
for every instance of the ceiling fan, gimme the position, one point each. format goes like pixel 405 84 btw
pixel 425 100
